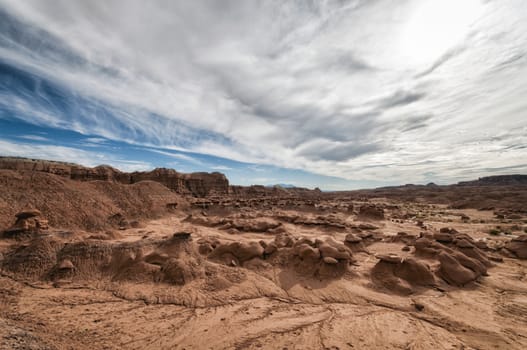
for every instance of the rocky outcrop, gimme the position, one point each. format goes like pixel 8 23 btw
pixel 23 164
pixel 237 252
pixel 168 177
pixel 461 261
pixel 69 170
pixel 518 246
pixel 259 191
pixel 205 184
pixel 453 271
pixel 401 276
pixel 370 211
pixel 101 172
pixel 196 184
pixel 235 223
pixel 321 259
pixel 28 223
pixel 355 243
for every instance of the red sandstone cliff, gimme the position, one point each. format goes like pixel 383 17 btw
pixel 197 184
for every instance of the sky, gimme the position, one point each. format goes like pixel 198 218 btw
pixel 330 94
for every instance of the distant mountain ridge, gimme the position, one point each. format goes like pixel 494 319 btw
pixel 203 184
pixel 497 180
pixel 283 185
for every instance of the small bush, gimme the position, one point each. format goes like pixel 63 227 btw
pixel 494 232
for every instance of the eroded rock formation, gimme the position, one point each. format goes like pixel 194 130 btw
pixel 28 223
pixel 197 184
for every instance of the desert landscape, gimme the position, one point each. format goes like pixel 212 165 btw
pixel 247 174
pixel 96 258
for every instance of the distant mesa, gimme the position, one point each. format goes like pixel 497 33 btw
pixel 198 184
pixel 283 185
pixel 498 180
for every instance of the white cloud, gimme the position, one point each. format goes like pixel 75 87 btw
pixel 34 138
pixel 96 140
pixel 177 156
pixel 331 87
pixel 220 167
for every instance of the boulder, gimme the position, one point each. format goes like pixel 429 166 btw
pixel 365 235
pixel 481 245
pixel 305 251
pixel 330 260
pixel 518 246
pixel 402 237
pixel 26 214
pixel 255 225
pixel 205 248
pixel 352 238
pixel 28 223
pixel 424 246
pixel 448 230
pixel 477 254
pixel 270 248
pixel 383 275
pixel 354 243
pixel 243 251
pixel 366 227
pixel 327 250
pixel 370 211
pixel 321 259
pixel 415 272
pixel 443 237
pixel 464 243
pixel 471 263
pixel 182 235
pixel 66 264
pixel 452 271
pixel 389 258
pixel 180 271
pixel 284 240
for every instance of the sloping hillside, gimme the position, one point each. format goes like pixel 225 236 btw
pixel 91 205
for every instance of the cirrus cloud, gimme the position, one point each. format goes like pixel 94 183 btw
pixel 321 86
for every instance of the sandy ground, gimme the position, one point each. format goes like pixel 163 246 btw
pixel 273 307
